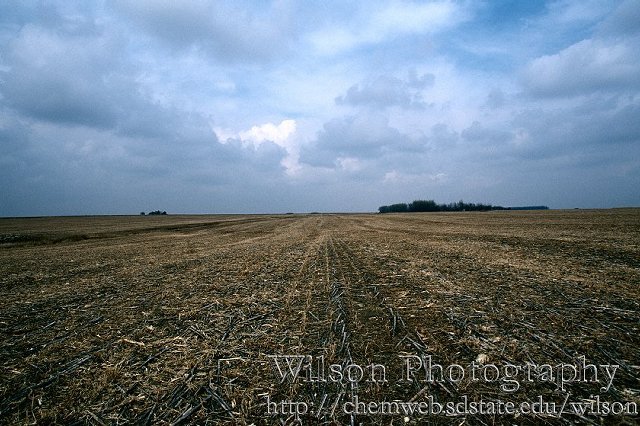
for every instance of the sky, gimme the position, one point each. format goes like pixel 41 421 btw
pixel 118 107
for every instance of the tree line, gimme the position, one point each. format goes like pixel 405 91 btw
pixel 432 206
pixel 460 206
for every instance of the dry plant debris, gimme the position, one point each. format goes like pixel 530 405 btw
pixel 172 319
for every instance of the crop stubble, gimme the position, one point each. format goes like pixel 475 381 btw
pixel 169 320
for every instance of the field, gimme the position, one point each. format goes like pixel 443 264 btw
pixel 181 319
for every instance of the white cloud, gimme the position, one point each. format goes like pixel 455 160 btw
pixel 280 134
pixel 585 67
pixel 349 164
pixel 396 177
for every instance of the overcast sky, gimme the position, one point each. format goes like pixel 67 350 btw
pixel 118 107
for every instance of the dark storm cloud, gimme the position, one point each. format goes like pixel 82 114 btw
pixel 62 78
pixel 362 137
pixel 51 98
pixel 81 80
pixel 74 170
pixel 82 133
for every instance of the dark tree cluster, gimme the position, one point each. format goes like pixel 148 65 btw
pixel 432 206
pixel 154 213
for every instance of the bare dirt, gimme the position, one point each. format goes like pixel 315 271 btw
pixel 172 319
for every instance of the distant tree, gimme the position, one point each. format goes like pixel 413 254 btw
pixel 141 213
pixel 432 206
pixel 398 208
pixel 423 206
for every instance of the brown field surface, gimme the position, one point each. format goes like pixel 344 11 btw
pixel 171 319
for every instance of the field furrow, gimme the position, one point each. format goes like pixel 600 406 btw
pixel 296 319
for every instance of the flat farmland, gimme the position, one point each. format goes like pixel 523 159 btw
pixel 439 318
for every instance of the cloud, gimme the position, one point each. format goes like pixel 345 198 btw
pixel 366 136
pixel 481 134
pixel 63 76
pixel 83 130
pixel 229 31
pixel 281 135
pixel 63 79
pixel 244 106
pixel 396 177
pixel 387 91
pixel 569 12
pixel 349 164
pixel 625 20
pixel 14 135
pixel 442 137
pixel 588 66
pixel 379 24
pixel 80 170
pixel 495 98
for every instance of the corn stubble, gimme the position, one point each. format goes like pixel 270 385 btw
pixel 171 320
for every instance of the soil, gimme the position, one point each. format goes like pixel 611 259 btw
pixel 181 319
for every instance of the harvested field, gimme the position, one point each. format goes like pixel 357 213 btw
pixel 176 319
